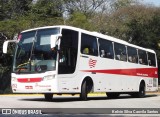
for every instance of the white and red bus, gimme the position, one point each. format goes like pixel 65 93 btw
pixel 68 60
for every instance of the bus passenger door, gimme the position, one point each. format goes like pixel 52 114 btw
pixel 67 60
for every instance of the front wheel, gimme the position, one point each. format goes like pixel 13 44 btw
pixel 48 96
pixel 83 94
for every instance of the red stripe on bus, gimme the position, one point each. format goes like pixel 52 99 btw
pixel 24 80
pixel 145 72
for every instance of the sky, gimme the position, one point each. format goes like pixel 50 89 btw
pixel 154 2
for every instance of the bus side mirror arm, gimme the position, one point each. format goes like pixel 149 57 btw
pixel 5 45
pixel 55 42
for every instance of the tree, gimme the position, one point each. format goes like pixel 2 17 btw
pixel 79 20
pixel 87 7
pixel 118 4
pixel 85 13
pixel 48 8
pixel 11 9
pixel 137 24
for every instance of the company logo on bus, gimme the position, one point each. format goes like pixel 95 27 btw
pixel 92 63
pixel 28 79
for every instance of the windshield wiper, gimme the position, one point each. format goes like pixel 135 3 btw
pixel 17 68
pixel 20 68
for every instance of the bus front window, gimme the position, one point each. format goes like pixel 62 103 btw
pixel 33 52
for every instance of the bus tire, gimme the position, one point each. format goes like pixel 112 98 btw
pixel 141 93
pixel 112 95
pixel 48 96
pixel 83 94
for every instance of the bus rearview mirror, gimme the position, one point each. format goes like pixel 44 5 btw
pixel 55 40
pixel 5 45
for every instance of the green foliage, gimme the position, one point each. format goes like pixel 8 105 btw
pixel 11 9
pixel 29 15
pixel 47 8
pixel 80 20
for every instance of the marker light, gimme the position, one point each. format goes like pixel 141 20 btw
pixel 19 37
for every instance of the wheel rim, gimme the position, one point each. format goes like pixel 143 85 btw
pixel 142 91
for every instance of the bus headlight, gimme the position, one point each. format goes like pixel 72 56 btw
pixel 49 77
pixel 14 79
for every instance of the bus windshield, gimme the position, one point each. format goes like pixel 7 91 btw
pixel 33 52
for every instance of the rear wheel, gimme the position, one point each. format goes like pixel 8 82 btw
pixel 48 96
pixel 141 93
pixel 84 92
pixel 112 95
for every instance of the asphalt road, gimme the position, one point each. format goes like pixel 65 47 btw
pixel 66 104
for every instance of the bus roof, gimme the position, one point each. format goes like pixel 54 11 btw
pixel 99 35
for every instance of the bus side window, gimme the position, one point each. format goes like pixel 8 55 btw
pixel 142 57
pixel 89 45
pixel 132 55
pixel 151 59
pixel 106 49
pixel 120 52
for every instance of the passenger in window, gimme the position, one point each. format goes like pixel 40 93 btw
pixel 149 62
pixel 134 59
pixel 118 57
pixel 109 55
pixel 86 51
pixel 130 59
pixel 141 61
pixel 103 54
pixel 123 56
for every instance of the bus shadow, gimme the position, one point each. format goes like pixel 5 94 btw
pixel 61 99
pixel 153 95
pixel 73 99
